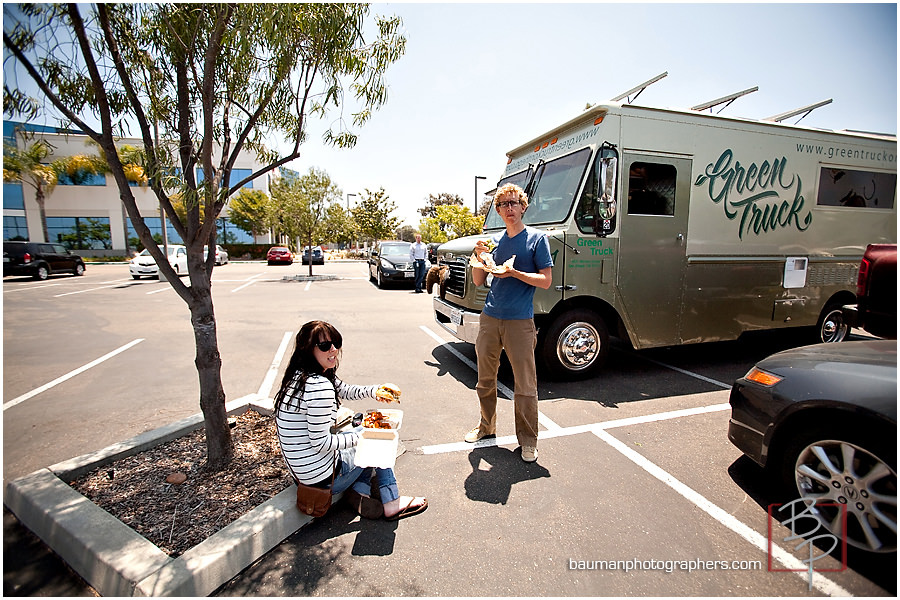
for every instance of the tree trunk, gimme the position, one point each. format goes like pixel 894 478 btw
pixel 219 447
pixel 41 202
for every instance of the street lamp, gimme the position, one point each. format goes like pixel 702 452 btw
pixel 477 177
pixel 348 200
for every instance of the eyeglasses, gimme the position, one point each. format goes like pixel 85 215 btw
pixel 506 203
pixel 327 344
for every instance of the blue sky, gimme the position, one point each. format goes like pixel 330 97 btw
pixel 479 79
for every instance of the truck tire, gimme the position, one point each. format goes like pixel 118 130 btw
pixel 574 346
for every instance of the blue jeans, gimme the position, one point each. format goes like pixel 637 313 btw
pixel 359 479
pixel 420 274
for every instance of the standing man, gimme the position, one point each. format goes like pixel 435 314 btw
pixel 418 252
pixel 507 321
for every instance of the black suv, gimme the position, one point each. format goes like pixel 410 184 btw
pixel 39 259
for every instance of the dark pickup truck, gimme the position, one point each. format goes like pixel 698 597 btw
pixel 876 293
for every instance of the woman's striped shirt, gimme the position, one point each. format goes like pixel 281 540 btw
pixel 304 423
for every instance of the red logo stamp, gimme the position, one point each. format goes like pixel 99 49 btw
pixel 808 538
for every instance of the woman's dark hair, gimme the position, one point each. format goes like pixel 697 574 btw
pixel 303 363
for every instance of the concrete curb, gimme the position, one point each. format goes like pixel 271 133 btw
pixel 115 559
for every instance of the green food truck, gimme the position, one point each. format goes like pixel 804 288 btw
pixel 673 227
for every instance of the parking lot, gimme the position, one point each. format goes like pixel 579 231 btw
pixel 637 491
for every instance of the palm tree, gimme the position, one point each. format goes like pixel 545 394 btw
pixel 26 166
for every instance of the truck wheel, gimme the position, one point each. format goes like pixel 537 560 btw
pixel 831 326
pixel 574 346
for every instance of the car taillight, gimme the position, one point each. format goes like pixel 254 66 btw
pixel 863 280
pixel 27 258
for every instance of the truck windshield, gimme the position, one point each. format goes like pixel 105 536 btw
pixel 557 183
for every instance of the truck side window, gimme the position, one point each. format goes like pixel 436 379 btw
pixel 651 189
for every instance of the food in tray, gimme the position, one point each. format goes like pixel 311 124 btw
pixel 485 262
pixel 376 420
pixel 388 393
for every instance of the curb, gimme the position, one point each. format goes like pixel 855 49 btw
pixel 117 561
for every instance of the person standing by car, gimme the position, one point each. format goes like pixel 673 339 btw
pixel 418 253
pixel 305 409
pixel 507 321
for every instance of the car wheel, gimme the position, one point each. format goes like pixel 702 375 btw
pixel 79 270
pixel 831 327
pixel 42 273
pixel 380 278
pixel 135 276
pixel 837 474
pixel 574 345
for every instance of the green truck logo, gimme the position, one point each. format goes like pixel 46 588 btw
pixel 758 194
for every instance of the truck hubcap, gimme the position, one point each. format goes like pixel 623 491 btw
pixel 577 346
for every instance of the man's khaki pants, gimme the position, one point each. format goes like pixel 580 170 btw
pixel 519 338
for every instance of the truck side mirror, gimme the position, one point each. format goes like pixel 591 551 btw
pixel 605 208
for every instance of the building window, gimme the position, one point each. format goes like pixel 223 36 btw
pixel 153 224
pixel 236 175
pixel 80 233
pixel 856 189
pixel 15 228
pixel 82 178
pixel 13 197
pixel 228 233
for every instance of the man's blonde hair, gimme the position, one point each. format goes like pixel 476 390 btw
pixel 511 188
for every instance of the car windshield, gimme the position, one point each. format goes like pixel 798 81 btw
pixel 556 184
pixel 395 250
pixel 146 252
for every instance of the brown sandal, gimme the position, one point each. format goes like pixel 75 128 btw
pixel 409 510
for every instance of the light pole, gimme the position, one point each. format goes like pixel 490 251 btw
pixel 477 177
pixel 348 210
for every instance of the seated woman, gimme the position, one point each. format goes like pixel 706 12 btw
pixel 305 410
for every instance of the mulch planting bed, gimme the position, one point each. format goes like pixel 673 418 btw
pixel 143 491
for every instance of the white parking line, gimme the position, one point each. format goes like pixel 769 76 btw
pixel 727 386
pixel 83 291
pixel 265 389
pixel 31 287
pixel 69 375
pixel 820 582
pixel 250 281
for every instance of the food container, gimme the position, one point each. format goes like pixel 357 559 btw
pixel 377 448
pixel 393 417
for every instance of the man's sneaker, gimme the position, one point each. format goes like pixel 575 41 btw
pixel 529 453
pixel 477 434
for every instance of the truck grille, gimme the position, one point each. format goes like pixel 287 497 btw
pixel 456 284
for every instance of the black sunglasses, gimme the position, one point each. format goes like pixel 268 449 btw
pixel 327 344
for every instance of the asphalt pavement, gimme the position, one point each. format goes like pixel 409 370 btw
pixel 635 469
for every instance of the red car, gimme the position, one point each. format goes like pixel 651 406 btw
pixel 279 254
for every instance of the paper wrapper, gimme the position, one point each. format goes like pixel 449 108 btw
pixel 486 263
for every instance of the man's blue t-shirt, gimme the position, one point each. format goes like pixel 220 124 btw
pixel 510 298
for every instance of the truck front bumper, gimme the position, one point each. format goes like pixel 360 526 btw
pixel 460 322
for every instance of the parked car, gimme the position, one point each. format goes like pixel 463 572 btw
pixel 822 420
pixel 39 260
pixel 876 292
pixel 144 265
pixel 318 257
pixel 389 262
pixel 279 255
pixel 221 255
